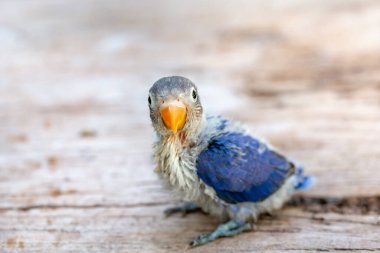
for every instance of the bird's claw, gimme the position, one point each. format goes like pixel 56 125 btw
pixel 172 210
pixel 184 209
pixel 228 229
pixel 202 239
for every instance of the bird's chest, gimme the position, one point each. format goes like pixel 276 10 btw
pixel 176 165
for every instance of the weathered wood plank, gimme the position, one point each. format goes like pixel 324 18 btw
pixel 143 229
pixel 75 167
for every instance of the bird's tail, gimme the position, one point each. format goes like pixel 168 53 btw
pixel 303 182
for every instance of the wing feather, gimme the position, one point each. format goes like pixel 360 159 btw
pixel 240 168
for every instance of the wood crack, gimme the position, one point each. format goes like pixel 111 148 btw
pixel 50 206
pixel 334 249
pixel 344 205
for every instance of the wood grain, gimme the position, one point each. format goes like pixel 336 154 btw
pixel 75 160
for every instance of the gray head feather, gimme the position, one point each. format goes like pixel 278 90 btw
pixel 171 85
pixel 175 88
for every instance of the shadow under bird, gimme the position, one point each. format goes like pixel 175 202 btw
pixel 214 164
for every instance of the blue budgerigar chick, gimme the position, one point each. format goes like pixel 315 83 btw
pixel 214 164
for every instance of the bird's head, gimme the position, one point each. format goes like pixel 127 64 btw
pixel 175 107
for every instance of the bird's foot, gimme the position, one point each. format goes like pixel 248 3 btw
pixel 185 208
pixel 231 228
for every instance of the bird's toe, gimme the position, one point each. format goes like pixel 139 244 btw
pixel 201 240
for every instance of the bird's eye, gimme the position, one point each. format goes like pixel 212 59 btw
pixel 194 95
pixel 149 100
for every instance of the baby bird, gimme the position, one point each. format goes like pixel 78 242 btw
pixel 214 164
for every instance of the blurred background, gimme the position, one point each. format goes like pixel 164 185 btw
pixel 75 136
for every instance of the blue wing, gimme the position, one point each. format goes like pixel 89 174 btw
pixel 240 168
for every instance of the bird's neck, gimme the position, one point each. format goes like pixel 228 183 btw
pixel 179 139
pixel 184 138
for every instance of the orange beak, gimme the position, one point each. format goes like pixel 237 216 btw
pixel 173 115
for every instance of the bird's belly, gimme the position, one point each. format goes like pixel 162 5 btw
pixel 247 211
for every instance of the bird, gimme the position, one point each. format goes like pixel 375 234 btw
pixel 214 164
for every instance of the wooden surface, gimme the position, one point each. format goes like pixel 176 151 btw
pixel 75 167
